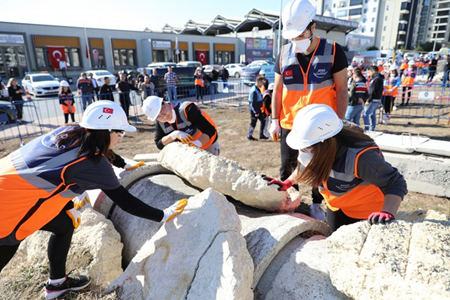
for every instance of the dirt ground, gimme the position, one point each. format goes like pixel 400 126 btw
pixel 262 156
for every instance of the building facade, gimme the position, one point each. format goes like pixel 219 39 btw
pixel 437 28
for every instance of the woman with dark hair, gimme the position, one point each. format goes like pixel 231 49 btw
pixel 66 101
pixel 39 180
pixel 391 85
pixel 16 92
pixel 347 167
pixel 357 96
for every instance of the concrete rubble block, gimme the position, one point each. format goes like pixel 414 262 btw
pixel 199 255
pixel 299 271
pixel 267 233
pixel 102 203
pixel 160 191
pixel 95 249
pixel 423 174
pixel 205 170
pixel 420 214
pixel 147 157
pixel 400 260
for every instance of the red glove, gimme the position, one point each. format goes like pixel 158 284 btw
pixel 382 217
pixel 283 185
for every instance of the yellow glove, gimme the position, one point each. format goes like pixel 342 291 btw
pixel 181 136
pixel 75 215
pixel 79 200
pixel 174 210
pixel 196 143
pixel 128 167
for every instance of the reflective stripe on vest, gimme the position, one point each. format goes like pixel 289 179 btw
pixel 183 124
pixel 34 188
pixel 314 86
pixel 408 78
pixel 346 191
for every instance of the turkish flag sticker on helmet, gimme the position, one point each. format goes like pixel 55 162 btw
pixel 107 110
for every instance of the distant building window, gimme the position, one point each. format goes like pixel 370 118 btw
pixel 365 10
pixel 382 38
pixel 364 20
pixel 355 11
pixel 374 9
pixel 373 20
pixel 384 28
pixel 387 7
pixel 371 29
pixel 334 5
pixel 342 13
pixel 363 29
pixel 367 1
pixel 385 18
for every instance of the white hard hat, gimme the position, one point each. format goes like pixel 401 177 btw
pixel 393 68
pixel 313 124
pixel 262 72
pixel 271 86
pixel 64 83
pixel 411 62
pixel 106 115
pixel 199 69
pixel 421 55
pixel 354 59
pixel 349 68
pixel 387 64
pixel 152 106
pixel 297 14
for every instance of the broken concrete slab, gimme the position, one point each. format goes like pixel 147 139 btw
pixel 267 233
pixel 205 170
pixel 147 157
pixel 103 204
pixel 400 260
pixel 423 174
pixel 95 250
pixel 205 239
pixel 299 271
pixel 160 191
pixel 420 214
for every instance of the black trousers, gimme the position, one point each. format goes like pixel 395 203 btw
pixel 336 219
pixel 62 229
pixel 254 119
pixel 66 117
pixel 388 102
pixel 19 111
pixel 125 103
pixel 406 90
pixel 199 91
pixel 289 163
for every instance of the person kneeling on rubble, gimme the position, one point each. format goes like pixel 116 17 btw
pixel 39 180
pixel 184 122
pixel 347 167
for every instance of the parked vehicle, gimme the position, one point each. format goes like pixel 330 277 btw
pixel 41 84
pixel 208 69
pixel 194 64
pixel 162 65
pixel 6 113
pixel 252 71
pixel 236 70
pixel 99 76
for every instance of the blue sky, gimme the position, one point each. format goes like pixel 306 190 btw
pixel 130 15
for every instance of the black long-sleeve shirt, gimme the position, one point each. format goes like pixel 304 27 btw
pixel 194 115
pixel 12 90
pixel 376 88
pixel 106 93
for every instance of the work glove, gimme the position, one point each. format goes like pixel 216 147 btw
pixel 382 217
pixel 129 167
pixel 196 143
pixel 181 136
pixel 75 215
pixel 80 200
pixel 283 185
pixel 275 130
pixel 174 210
pixel 317 212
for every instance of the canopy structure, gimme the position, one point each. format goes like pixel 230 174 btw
pixel 192 27
pixel 221 25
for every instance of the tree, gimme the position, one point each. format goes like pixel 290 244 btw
pixel 419 48
pixel 428 46
pixel 372 48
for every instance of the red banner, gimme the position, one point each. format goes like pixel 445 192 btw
pixel 201 57
pixel 56 55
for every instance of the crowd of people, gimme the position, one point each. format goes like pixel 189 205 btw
pixel 308 105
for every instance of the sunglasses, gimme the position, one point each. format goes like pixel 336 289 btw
pixel 120 133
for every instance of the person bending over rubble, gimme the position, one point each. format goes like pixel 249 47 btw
pixel 184 122
pixel 39 180
pixel 347 167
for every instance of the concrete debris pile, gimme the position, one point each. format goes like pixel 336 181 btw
pixel 205 170
pixel 201 255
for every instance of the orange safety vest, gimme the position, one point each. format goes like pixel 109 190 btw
pixel 380 69
pixel 182 123
pixel 391 84
pixel 70 107
pixel 346 191
pixel 33 187
pixel 403 66
pixel 316 86
pixel 199 80
pixel 265 107
pixel 408 78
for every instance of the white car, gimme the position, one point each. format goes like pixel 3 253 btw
pixel 100 75
pixel 236 70
pixel 190 63
pixel 162 65
pixel 41 84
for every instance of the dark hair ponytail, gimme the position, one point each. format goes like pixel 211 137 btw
pixel 92 143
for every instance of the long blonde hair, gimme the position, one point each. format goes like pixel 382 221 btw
pixel 10 81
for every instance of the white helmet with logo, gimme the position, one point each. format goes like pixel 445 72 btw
pixel 262 72
pixel 393 68
pixel 411 62
pixel 271 86
pixel 297 15
pixel 313 124
pixel 152 107
pixel 105 115
pixel 64 83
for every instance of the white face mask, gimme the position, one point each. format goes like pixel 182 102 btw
pixel 392 76
pixel 304 158
pixel 174 117
pixel 300 46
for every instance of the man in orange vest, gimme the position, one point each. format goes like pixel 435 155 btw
pixel 308 70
